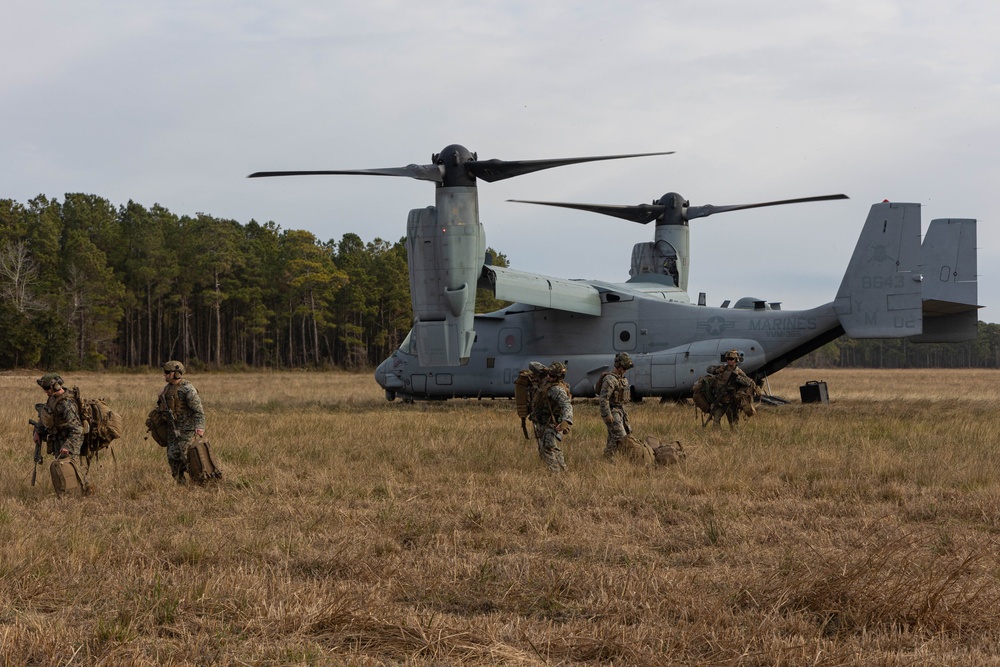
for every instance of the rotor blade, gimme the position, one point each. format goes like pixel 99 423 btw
pixel 497 170
pixel 422 172
pixel 708 209
pixel 641 213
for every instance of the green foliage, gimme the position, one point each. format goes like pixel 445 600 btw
pixel 86 285
pixel 20 342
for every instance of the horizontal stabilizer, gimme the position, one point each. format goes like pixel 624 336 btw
pixel 536 290
pixel 950 328
pixel 880 295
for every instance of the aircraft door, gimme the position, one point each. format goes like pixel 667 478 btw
pixel 663 372
pixel 625 336
pixel 654 373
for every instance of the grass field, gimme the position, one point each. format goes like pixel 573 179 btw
pixel 349 530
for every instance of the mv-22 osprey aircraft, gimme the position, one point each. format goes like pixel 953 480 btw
pixel 894 287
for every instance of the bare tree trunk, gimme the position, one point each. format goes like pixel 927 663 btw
pixel 149 325
pixel 18 275
pixel 305 346
pixel 291 336
pixel 315 329
pixel 218 320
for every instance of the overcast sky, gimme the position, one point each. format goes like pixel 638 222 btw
pixel 176 102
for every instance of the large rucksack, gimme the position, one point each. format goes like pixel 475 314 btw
pixel 157 425
pixel 600 383
pixel 101 424
pixel 522 393
pixel 701 393
pixel 746 397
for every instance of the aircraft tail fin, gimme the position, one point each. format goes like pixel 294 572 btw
pixel 950 287
pixel 880 295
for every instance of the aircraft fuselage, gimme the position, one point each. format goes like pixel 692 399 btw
pixel 671 342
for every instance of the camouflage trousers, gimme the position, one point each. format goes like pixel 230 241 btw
pixel 549 450
pixel 177 449
pixel 617 429
pixel 730 410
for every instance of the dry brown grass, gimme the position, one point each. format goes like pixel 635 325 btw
pixel 349 530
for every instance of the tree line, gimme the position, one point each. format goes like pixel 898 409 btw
pixel 85 284
pixel 981 352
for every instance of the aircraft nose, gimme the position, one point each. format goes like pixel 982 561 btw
pixel 387 376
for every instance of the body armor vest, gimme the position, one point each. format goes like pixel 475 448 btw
pixel 619 390
pixel 50 417
pixel 172 400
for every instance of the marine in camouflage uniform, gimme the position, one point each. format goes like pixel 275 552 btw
pixel 727 382
pixel 60 425
pixel 552 415
pixel 181 404
pixel 614 394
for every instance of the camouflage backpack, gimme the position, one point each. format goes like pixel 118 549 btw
pixel 522 393
pixel 156 424
pixel 746 397
pixel 634 451
pixel 600 383
pixel 701 393
pixel 101 424
pixel 666 453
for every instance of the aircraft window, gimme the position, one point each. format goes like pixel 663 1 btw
pixel 624 336
pixel 407 344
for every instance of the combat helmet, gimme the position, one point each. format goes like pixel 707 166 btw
pixel 732 354
pixel 623 360
pixel 557 370
pixel 50 381
pixel 538 368
pixel 173 367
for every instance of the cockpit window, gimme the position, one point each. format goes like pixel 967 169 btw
pixel 408 346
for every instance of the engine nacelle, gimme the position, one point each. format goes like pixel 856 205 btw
pixel 445 248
